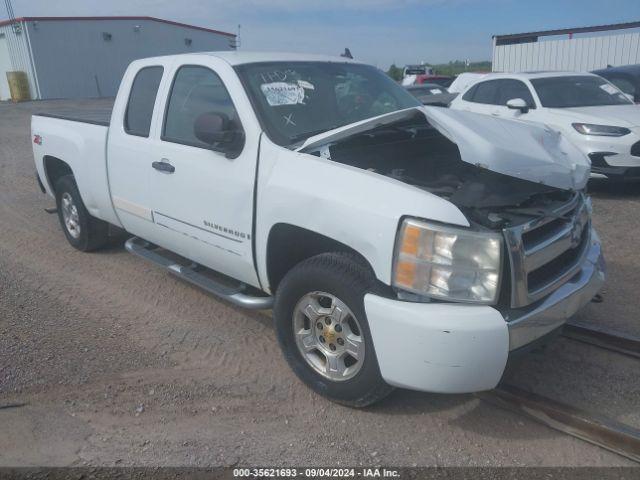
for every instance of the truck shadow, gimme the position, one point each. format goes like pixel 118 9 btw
pixel 464 412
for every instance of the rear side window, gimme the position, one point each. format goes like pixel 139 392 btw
pixel 137 119
pixel 468 96
pixel 486 92
pixel 196 90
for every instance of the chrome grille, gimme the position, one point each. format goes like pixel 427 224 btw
pixel 544 253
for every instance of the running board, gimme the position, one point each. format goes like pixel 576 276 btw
pixel 234 294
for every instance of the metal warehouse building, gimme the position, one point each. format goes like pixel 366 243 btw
pixel 582 49
pixel 82 57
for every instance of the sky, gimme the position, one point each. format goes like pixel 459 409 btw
pixel 379 32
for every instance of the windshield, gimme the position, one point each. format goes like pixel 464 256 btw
pixel 296 100
pixel 577 91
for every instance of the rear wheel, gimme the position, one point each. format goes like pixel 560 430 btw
pixel 83 231
pixel 323 330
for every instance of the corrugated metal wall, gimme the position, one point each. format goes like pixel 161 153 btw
pixel 576 54
pixel 5 66
pixel 18 46
pixel 73 59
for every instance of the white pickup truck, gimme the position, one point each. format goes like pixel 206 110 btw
pixel 398 245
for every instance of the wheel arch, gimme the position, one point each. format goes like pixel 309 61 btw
pixel 54 169
pixel 288 245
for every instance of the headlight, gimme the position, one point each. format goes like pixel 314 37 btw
pixel 600 130
pixel 448 263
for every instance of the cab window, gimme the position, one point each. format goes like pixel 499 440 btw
pixel 137 118
pixel 195 90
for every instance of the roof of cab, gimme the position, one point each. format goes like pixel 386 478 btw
pixel 240 58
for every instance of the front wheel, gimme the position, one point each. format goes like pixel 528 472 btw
pixel 323 330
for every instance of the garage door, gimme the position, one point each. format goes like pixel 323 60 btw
pixel 5 66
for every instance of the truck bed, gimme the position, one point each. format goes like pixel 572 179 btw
pixel 96 112
pixel 75 132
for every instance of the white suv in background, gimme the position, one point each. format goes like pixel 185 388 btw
pixel 594 114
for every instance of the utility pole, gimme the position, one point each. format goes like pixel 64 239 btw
pixel 235 42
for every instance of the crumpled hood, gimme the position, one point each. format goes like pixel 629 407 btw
pixel 615 115
pixel 511 147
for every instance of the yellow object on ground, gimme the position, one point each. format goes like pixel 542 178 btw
pixel 18 86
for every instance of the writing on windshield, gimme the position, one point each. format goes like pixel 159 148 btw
pixel 296 100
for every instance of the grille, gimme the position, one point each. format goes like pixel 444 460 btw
pixel 545 253
pixel 635 149
pixel 547 273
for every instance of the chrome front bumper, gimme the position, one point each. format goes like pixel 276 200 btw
pixel 530 323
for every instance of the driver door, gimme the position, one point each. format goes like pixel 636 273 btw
pixel 202 200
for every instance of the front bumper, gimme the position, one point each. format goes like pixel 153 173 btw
pixel 614 157
pixel 616 173
pixel 602 167
pixel 455 348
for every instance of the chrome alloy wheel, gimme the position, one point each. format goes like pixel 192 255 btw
pixel 70 215
pixel 328 336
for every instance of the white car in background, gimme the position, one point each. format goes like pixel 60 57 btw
pixel 594 114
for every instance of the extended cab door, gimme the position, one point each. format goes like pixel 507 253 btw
pixel 202 198
pixel 129 141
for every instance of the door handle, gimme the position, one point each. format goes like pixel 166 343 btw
pixel 164 166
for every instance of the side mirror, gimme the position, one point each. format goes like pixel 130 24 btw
pixel 217 131
pixel 518 104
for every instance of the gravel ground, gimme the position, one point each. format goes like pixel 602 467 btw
pixel 118 363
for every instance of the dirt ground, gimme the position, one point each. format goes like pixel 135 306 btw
pixel 117 363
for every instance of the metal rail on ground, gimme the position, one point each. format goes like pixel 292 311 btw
pixel 604 338
pixel 596 429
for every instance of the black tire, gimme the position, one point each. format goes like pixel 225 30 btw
pixel 94 233
pixel 341 275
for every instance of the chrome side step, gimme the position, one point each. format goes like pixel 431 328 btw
pixel 234 294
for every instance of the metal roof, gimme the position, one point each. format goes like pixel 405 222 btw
pixel 153 19
pixel 234 57
pixel 566 31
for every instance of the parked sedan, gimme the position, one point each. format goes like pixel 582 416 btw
pixel 626 78
pixel 431 94
pixel 593 113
